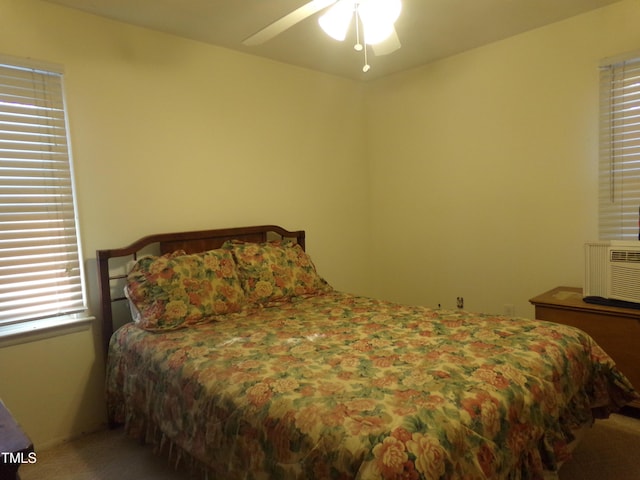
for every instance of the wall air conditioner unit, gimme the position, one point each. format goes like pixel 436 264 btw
pixel 612 271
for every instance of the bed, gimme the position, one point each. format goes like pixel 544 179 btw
pixel 270 373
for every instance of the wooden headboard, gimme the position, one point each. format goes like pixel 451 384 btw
pixel 112 275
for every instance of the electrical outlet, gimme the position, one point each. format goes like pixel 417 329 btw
pixel 460 302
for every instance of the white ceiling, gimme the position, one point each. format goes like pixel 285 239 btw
pixel 428 29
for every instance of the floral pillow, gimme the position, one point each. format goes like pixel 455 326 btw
pixel 275 271
pixel 177 290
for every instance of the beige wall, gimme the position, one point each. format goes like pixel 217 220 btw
pixel 170 134
pixel 484 166
pixel 473 176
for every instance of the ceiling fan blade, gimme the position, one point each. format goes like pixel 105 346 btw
pixel 390 44
pixel 287 21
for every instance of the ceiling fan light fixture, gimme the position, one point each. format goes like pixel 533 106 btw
pixel 388 10
pixel 378 17
pixel 336 21
pixel 375 18
pixel 376 32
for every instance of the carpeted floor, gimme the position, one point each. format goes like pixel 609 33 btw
pixel 609 451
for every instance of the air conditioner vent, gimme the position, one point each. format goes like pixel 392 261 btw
pixel 627 256
pixel 612 270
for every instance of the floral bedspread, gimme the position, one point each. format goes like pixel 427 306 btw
pixel 336 386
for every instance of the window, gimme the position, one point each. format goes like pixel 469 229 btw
pixel 40 261
pixel 620 149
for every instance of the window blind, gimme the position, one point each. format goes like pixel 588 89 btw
pixel 40 261
pixel 620 150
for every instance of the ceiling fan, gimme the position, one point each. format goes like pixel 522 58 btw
pixel 374 23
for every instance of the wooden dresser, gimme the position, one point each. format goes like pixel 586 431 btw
pixel 616 330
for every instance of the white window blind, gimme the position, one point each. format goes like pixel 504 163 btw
pixel 40 261
pixel 620 149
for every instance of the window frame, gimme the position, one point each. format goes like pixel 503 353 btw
pixel 45 324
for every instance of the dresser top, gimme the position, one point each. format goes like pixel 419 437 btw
pixel 570 298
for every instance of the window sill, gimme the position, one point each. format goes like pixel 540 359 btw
pixel 44 328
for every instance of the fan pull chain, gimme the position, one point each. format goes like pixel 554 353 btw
pixel 360 46
pixel 366 66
